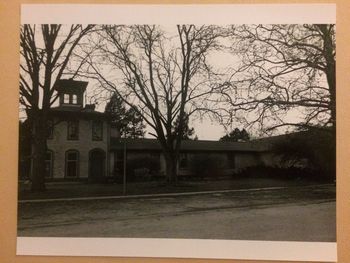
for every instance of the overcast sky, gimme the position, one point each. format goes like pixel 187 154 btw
pixel 205 129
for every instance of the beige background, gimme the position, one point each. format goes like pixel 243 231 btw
pixel 9 59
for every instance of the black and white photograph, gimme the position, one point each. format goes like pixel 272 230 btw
pixel 179 131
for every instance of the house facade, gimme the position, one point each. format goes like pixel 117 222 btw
pixel 78 140
pixel 224 157
pixel 81 145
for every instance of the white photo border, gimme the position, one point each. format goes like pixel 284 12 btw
pixel 178 248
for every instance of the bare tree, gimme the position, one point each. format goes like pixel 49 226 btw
pixel 161 77
pixel 285 76
pixel 46 51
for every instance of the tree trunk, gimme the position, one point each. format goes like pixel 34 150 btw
pixel 171 168
pixel 38 154
pixel 329 50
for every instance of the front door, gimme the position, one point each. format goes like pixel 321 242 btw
pixel 97 165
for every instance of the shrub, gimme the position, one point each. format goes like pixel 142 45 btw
pixel 316 149
pixel 206 165
pixel 142 168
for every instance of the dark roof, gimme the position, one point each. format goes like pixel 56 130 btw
pixel 66 84
pixel 258 145
pixel 267 142
pixel 75 111
pixel 314 135
pixel 186 145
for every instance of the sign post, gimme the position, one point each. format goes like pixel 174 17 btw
pixel 124 169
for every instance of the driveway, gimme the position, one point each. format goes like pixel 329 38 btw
pixel 292 213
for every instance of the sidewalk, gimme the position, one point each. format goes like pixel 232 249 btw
pixel 86 191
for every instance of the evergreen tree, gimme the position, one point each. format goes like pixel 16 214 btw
pixel 236 135
pixel 128 122
pixel 188 133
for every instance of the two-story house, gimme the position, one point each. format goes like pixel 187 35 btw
pixel 78 136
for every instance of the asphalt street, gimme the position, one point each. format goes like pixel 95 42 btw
pixel 290 214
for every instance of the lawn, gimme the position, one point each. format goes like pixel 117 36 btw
pixel 84 189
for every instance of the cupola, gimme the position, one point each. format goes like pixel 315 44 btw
pixel 71 92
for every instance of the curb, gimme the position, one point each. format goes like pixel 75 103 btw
pixel 161 195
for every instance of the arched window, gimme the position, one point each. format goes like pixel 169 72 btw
pixel 48 163
pixel 72 163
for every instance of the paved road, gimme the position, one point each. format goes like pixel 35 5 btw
pixel 293 214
